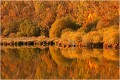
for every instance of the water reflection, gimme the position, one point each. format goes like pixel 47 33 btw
pixel 53 62
pixel 59 58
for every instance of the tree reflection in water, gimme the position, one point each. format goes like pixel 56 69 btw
pixel 53 62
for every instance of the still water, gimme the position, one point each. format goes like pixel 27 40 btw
pixel 61 63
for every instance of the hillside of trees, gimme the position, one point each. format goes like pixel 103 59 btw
pixel 79 20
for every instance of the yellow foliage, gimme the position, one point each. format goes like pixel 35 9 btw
pixel 111 54
pixel 65 34
pixel 92 16
pixel 111 35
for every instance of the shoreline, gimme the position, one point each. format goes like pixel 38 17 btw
pixel 44 41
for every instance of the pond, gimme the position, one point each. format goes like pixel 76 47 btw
pixel 59 63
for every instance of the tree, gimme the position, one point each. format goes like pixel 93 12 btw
pixel 27 28
pixel 60 24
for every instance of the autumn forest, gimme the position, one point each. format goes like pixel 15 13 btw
pixel 58 18
pixel 74 39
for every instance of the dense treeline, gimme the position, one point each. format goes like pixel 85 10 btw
pixel 58 18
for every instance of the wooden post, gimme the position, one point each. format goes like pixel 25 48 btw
pixel 13 43
pixel 40 43
pixel 34 43
pixel 27 43
pixel 55 43
pixel 3 43
pixel 17 43
pixel 43 43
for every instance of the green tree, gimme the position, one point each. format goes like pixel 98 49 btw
pixel 28 29
pixel 61 24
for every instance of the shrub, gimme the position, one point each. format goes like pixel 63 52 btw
pixel 79 34
pixel 87 38
pixel 44 32
pixel 60 24
pixel 71 38
pixel 13 26
pixel 19 34
pixel 96 36
pixel 65 34
pixel 111 34
pixel 6 32
pixel 78 37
